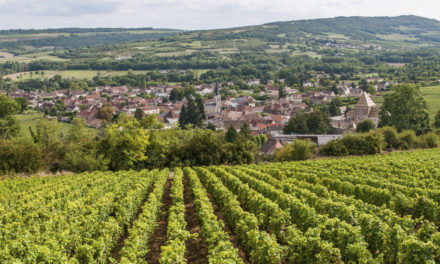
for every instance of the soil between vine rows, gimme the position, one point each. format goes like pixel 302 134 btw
pixel 116 253
pixel 160 234
pixel 196 250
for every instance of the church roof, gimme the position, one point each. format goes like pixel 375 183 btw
pixel 374 112
pixel 365 100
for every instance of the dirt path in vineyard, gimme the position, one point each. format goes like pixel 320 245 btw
pixel 196 250
pixel 160 234
pixel 116 253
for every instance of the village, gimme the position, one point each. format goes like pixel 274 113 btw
pixel 263 116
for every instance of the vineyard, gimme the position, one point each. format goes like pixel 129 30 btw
pixel 370 209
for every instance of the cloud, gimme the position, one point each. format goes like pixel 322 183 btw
pixel 59 7
pixel 194 14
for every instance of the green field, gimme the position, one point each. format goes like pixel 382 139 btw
pixel 32 57
pixel 430 93
pixel 77 74
pixel 31 120
pixel 432 96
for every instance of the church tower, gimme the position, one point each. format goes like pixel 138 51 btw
pixel 217 96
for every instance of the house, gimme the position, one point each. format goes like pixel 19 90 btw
pixel 271 147
pixel 253 82
pixel 318 139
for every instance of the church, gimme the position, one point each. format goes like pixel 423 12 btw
pixel 364 109
pixel 213 107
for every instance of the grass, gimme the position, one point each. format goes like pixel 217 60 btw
pixel 30 120
pixel 432 96
pixel 395 37
pixel 430 93
pixel 332 35
pixel 78 74
pixel 377 99
pixel 32 57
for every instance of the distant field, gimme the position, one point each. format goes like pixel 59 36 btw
pixel 29 57
pixel 395 37
pixel 430 93
pixel 336 36
pixel 5 55
pixel 30 120
pixel 432 96
pixel 378 99
pixel 78 74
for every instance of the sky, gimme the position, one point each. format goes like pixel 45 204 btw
pixel 195 14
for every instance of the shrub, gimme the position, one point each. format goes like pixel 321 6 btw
pixel 365 126
pixel 407 139
pixel 429 140
pixel 20 155
pixel 358 144
pixel 297 150
pixel 362 144
pixel 390 137
pixel 334 148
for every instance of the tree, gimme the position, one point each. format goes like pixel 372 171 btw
pixel 204 148
pixel 365 126
pixel 302 123
pixel 176 95
pixel 437 120
pixel 7 106
pixel 245 131
pixel 124 143
pixel 281 92
pixel 201 109
pixel 405 108
pixel 138 114
pixel 49 136
pixel 211 126
pixel 334 110
pixel 151 122
pixel 318 123
pixel 297 124
pixel 231 135
pixel 23 104
pixel 20 155
pixel 192 113
pixel 334 89
pixel 239 152
pixel 106 112
pixel 9 126
pixel 81 150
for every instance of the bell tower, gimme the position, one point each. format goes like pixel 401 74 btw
pixel 217 96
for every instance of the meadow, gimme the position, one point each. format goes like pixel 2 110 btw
pixel 77 74
pixel 432 96
pixel 30 121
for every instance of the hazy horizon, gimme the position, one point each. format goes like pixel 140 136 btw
pixel 193 14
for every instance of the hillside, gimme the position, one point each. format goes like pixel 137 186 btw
pixel 19 41
pixel 315 38
pixel 310 37
pixel 400 49
pixel 370 209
